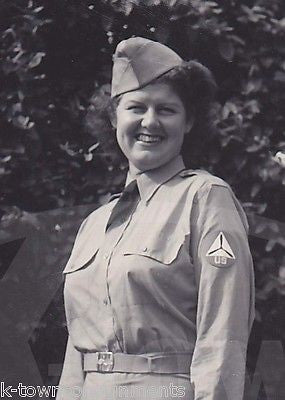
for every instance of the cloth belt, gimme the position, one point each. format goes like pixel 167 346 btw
pixel 165 363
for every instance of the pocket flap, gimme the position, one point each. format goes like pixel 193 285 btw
pixel 164 250
pixel 80 260
pixel 83 253
pixel 88 241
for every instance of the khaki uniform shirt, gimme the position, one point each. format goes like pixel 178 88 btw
pixel 176 276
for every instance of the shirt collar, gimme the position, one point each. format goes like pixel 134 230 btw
pixel 149 181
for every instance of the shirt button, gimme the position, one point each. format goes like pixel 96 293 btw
pixel 144 249
pixel 105 256
pixel 105 302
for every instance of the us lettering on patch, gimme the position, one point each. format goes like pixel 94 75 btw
pixel 220 253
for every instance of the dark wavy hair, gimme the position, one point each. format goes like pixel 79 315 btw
pixel 195 86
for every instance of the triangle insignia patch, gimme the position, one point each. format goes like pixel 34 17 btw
pixel 220 253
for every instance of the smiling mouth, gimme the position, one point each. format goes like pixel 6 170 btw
pixel 144 138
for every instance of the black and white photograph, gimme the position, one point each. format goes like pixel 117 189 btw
pixel 142 174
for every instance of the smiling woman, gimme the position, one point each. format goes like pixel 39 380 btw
pixel 159 285
pixel 150 125
pixel 195 87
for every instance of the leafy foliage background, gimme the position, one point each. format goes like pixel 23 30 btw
pixel 54 54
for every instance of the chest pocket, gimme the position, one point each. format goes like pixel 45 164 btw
pixel 79 261
pixel 83 254
pixel 88 241
pixel 79 280
pixel 162 248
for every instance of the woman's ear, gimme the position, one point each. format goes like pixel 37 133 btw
pixel 113 118
pixel 113 111
pixel 189 123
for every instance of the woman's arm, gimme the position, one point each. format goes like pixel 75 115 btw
pixel 72 377
pixel 225 284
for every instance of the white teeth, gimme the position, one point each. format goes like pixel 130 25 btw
pixel 148 138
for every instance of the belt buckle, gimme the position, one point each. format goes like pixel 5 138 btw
pixel 105 361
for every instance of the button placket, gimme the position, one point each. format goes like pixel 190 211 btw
pixel 115 236
pixel 107 257
pixel 119 231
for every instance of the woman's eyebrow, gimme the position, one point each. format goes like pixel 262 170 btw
pixel 163 103
pixel 134 101
pixel 158 104
pixel 169 104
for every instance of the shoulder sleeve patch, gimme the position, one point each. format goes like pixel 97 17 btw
pixel 220 252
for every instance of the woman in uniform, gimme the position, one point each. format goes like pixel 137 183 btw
pixel 159 287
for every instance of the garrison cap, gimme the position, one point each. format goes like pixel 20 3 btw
pixel 138 61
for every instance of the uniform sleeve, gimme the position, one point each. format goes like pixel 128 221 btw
pixel 72 377
pixel 225 287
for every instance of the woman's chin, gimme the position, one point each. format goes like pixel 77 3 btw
pixel 147 163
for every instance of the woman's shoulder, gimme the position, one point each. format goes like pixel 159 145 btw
pixel 202 183
pixel 99 215
pixel 202 179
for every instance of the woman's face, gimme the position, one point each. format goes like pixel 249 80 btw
pixel 151 123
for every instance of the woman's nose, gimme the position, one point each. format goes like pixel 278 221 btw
pixel 150 119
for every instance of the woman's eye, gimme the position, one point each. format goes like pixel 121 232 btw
pixel 135 108
pixel 167 110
